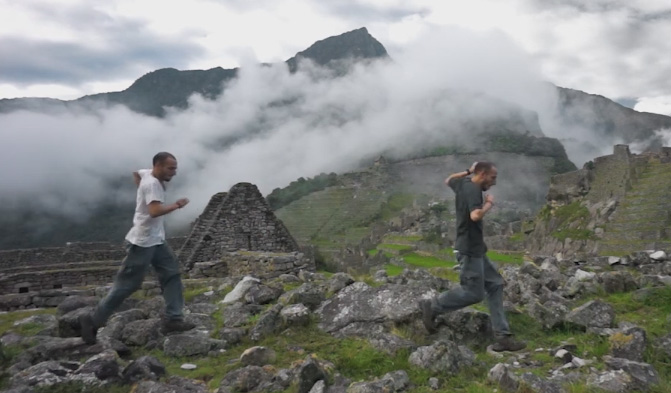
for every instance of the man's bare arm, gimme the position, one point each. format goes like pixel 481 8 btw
pixel 136 178
pixel 460 174
pixel 157 209
pixel 456 176
pixel 479 214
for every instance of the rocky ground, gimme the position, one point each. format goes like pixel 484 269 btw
pixel 596 325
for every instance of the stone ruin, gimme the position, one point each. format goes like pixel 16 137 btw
pixel 237 234
pixel 626 200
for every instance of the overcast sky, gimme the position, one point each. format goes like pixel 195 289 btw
pixel 68 48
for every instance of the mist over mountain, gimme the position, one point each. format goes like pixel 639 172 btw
pixel 155 91
pixel 334 107
pixel 593 115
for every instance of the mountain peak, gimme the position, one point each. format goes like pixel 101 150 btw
pixel 355 44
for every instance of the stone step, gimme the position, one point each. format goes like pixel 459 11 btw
pixel 63 266
pixel 655 191
pixel 655 174
pixel 640 214
pixel 639 205
pixel 631 235
pixel 652 217
pixel 632 246
pixel 625 249
pixel 621 225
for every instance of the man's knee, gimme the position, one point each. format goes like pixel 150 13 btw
pixel 474 291
pixel 123 289
pixel 494 282
pixel 475 296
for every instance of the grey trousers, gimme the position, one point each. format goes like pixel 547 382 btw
pixel 130 277
pixel 479 279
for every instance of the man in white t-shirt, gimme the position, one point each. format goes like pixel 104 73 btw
pixel 146 246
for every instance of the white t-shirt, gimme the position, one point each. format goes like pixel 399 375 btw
pixel 147 231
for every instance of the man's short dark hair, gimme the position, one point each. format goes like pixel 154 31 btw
pixel 159 158
pixel 483 166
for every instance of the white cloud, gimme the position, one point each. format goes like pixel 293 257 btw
pixel 607 47
pixel 661 104
pixel 324 125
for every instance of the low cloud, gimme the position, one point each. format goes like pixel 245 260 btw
pixel 661 104
pixel 284 125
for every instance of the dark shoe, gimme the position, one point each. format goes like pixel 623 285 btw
pixel 427 315
pixel 88 329
pixel 177 325
pixel 508 343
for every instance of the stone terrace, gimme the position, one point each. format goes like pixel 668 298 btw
pixel 237 234
pixel 77 264
pixel 643 216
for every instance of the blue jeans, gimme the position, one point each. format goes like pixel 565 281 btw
pixel 479 279
pixel 130 277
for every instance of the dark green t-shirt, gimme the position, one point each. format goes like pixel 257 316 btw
pixel 470 239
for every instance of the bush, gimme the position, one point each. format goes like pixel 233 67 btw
pixel 280 197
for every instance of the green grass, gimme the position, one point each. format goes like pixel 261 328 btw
pixel 573 212
pixel 7 321
pixel 651 313
pixel 80 387
pixel 514 258
pixel 401 238
pixel 393 270
pixel 568 215
pixel 292 347
pixel 396 247
pixel 358 360
pixel 447 254
pixel 395 204
pixel 190 294
pixel 446 273
pixel 426 261
pixel 517 237
pixel 291 286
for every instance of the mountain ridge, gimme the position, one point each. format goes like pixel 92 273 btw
pixel 169 87
pixel 510 123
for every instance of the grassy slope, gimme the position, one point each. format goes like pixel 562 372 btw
pixel 356 359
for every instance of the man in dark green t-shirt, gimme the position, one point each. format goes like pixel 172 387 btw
pixel 479 277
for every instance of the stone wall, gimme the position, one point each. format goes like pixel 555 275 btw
pixel 73 252
pixel 600 189
pixel 238 220
pixel 55 279
pixel 53 297
pixel 567 187
pixel 55 255
pixel 258 264
pixel 40 299
pixel 92 245
pixel 57 266
pixel 612 174
pixel 176 243
pixel 201 227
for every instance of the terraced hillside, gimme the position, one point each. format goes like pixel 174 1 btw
pixel 642 220
pixel 392 195
pixel 336 215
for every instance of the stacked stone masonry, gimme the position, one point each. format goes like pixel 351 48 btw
pixel 54 297
pixel 238 220
pixel 626 195
pixel 237 234
pixel 257 264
